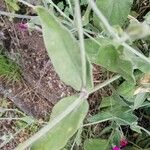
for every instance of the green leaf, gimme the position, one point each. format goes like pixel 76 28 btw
pixel 96 144
pixel 101 117
pixel 119 114
pixel 137 62
pixel 114 60
pixel 62 48
pixel 126 89
pixel 107 102
pixel 139 100
pixel 91 48
pixel 116 11
pixel 137 30
pixel 57 138
pixel 124 118
pixel 135 128
pixel 116 136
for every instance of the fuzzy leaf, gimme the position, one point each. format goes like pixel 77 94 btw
pixel 116 11
pixel 101 117
pixel 137 62
pixel 62 48
pixel 139 100
pixel 57 138
pixel 113 59
pixel 96 144
pixel 118 114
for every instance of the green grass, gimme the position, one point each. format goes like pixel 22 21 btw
pixel 9 69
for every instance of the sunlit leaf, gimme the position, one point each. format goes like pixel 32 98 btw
pixel 57 138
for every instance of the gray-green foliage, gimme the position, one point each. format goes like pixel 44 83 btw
pixel 116 11
pixel 58 137
pixel 63 50
pixel 96 144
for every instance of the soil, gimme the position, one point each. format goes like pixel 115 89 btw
pixel 40 87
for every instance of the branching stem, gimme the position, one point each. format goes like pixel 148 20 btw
pixel 113 33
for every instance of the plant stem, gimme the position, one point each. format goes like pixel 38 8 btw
pixel 111 31
pixel 135 52
pixel 10 119
pixel 81 39
pixel 103 19
pixel 70 7
pixel 26 3
pixel 144 130
pixel 50 125
pixel 60 11
pixel 8 14
pixel 96 122
pixel 105 83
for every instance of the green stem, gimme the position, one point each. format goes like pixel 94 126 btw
pixel 70 7
pixel 148 132
pixel 10 119
pixel 114 34
pixel 8 14
pixel 50 125
pixel 85 18
pixel 61 12
pixel 96 122
pixel 103 19
pixel 26 3
pixel 107 82
pixel 81 39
